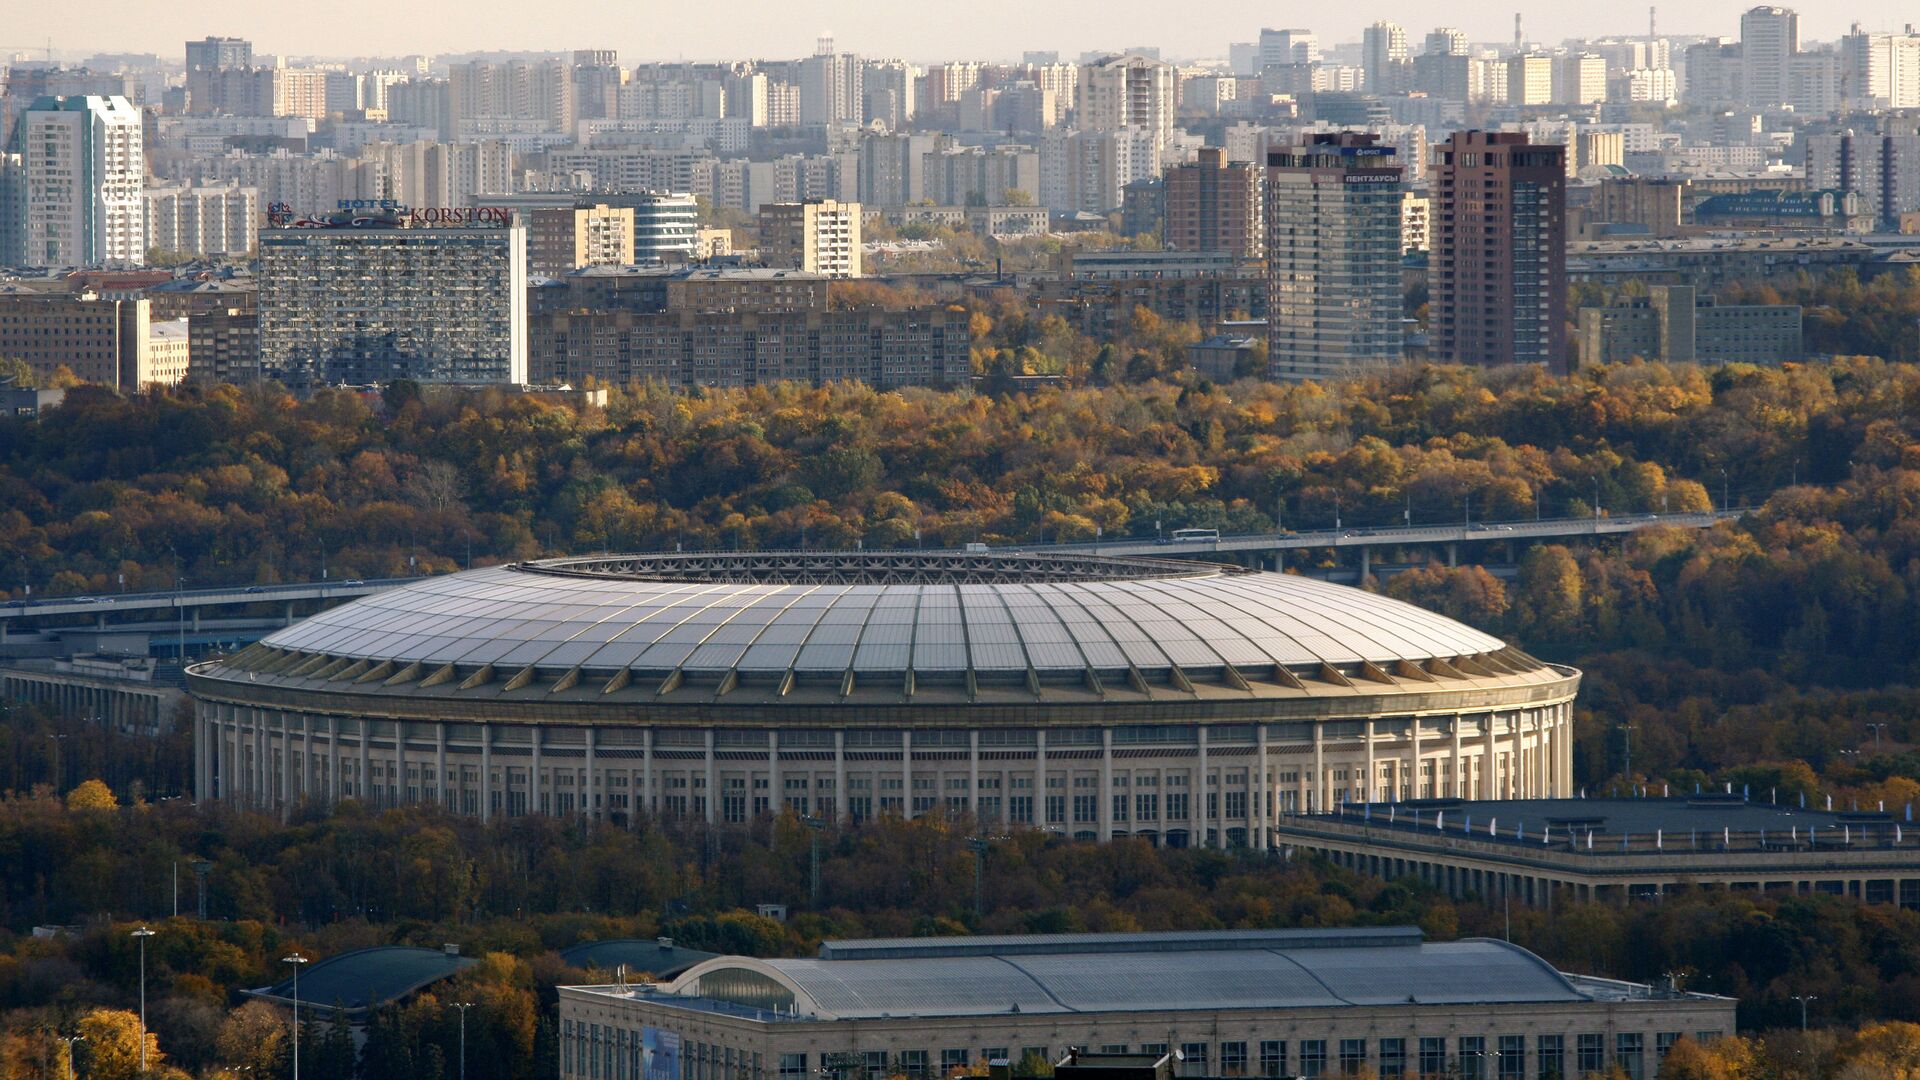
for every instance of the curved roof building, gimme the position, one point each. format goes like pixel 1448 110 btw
pixel 1230 1003
pixel 1093 695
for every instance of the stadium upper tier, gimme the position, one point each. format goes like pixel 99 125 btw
pixel 906 627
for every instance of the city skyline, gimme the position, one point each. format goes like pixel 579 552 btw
pixel 994 29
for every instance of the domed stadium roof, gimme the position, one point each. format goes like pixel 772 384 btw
pixel 764 625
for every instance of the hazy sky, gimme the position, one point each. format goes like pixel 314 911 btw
pixel 914 29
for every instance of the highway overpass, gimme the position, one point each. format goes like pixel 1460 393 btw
pixel 187 606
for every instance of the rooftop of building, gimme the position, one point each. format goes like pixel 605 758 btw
pixel 1106 973
pixel 790 627
pixel 1677 825
pixel 367 978
pixel 658 957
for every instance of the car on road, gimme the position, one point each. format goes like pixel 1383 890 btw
pixel 353 581
pixel 255 589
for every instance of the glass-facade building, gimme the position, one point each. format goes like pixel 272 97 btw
pixel 1333 257
pixel 363 306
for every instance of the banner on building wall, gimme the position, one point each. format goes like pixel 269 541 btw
pixel 661 1054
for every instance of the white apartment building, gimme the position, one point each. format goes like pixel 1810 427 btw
pixel 84 169
pixel 821 236
pixel 217 219
pixel 1126 92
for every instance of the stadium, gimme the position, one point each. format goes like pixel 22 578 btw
pixel 1183 702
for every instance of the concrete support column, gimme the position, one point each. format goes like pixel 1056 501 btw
pixel 1040 779
pixel 649 784
pixel 533 772
pixel 713 782
pixel 1490 758
pixel 400 762
pixel 840 775
pixel 1413 757
pixel 1563 746
pixel 440 768
pixel 1373 770
pixel 1511 783
pixel 1453 553
pixel 1105 808
pixel 1263 800
pixel 1206 786
pixel 201 752
pixel 906 775
pixel 361 784
pixel 486 772
pixel 1366 564
pixel 1320 786
pixel 262 780
pixel 776 796
pixel 973 774
pixel 333 761
pixel 306 757
pixel 589 809
pixel 1457 781
pixel 1543 755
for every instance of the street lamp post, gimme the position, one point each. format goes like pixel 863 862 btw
pixel 814 825
pixel 141 935
pixel 1626 751
pixel 59 775
pixel 296 960
pixel 979 845
pixel 463 1006
pixel 70 1040
pixel 1877 729
pixel 1803 1007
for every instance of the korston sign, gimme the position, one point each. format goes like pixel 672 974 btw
pixel 389 214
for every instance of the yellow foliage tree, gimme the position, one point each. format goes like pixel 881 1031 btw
pixel 113 1045
pixel 92 795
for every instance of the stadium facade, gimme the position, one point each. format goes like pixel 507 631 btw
pixel 1183 702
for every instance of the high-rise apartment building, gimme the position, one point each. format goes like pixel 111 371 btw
pixel 821 236
pixel 1497 274
pixel 832 87
pixel 1880 71
pixel 560 239
pixel 1530 79
pixel 1333 220
pixel 363 306
pixel 1769 40
pixel 1579 79
pixel 219 54
pixel 1883 169
pixel 1385 59
pixel 215 219
pixel 1283 48
pixel 514 97
pixel 890 90
pixel 1446 41
pixel 83 167
pixel 597 78
pixel 1128 91
pixel 1213 204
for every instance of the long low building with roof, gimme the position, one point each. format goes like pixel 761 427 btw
pixel 352 984
pixel 1276 1003
pixel 1181 702
pixel 1544 851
